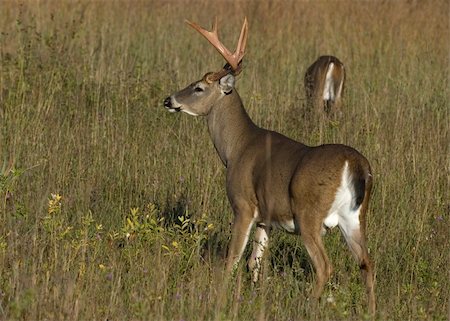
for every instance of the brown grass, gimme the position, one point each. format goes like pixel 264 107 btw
pixel 81 91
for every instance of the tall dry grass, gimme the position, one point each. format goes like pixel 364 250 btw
pixel 142 226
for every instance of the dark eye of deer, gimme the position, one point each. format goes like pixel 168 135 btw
pixel 198 89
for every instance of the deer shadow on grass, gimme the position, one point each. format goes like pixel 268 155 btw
pixel 174 210
pixel 288 256
pixel 213 247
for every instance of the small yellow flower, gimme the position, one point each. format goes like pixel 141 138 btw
pixel 102 267
pixel 54 203
pixel 56 197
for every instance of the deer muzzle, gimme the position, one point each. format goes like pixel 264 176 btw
pixel 168 104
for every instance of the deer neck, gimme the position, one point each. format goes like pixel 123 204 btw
pixel 230 127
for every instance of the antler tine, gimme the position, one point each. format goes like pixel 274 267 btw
pixel 240 49
pixel 215 27
pixel 213 37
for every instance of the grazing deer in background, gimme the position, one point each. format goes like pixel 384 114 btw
pixel 274 181
pixel 324 84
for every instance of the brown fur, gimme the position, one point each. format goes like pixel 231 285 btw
pixel 271 179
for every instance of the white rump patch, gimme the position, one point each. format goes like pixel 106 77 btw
pixel 328 89
pixel 341 212
pixel 331 220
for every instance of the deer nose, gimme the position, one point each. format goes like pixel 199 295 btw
pixel 168 102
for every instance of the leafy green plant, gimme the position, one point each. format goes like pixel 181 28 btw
pixel 8 177
pixel 55 223
pixel 143 225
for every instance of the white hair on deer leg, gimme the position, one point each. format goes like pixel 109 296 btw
pixel 261 239
pixel 256 213
pixel 328 90
pixel 247 235
pixel 244 244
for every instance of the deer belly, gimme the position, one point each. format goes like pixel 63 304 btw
pixel 287 225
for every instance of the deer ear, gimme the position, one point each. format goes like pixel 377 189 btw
pixel 226 84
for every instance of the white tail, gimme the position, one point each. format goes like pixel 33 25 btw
pixel 324 84
pixel 274 181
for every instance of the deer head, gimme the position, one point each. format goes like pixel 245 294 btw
pixel 198 98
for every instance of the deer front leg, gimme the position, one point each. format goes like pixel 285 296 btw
pixel 260 244
pixel 242 225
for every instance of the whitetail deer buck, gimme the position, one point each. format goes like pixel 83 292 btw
pixel 324 84
pixel 272 180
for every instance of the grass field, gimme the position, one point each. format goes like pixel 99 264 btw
pixel 111 208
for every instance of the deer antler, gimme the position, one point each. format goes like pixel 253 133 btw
pixel 233 59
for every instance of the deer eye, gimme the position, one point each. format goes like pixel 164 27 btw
pixel 198 89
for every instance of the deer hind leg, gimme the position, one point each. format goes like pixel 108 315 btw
pixel 260 244
pixel 337 105
pixel 314 245
pixel 242 225
pixel 354 235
